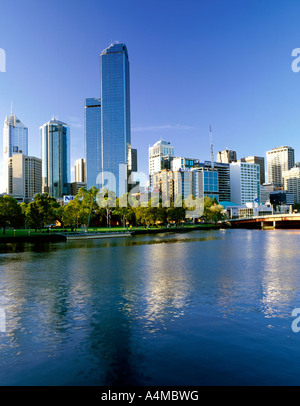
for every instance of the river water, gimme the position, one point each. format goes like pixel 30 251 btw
pixel 199 308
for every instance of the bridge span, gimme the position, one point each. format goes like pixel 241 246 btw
pixel 271 221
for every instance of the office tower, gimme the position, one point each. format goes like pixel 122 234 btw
pixel 25 177
pixel 245 182
pixel 79 169
pixel 223 170
pixel 15 141
pixel 291 181
pixel 93 150
pixel 227 156
pixel 182 164
pixel 160 157
pixel 107 124
pixel 163 183
pixel 115 114
pixel 261 162
pixel 279 160
pixel 55 152
pixel 205 183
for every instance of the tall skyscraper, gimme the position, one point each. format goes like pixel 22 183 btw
pixel 108 150
pixel 15 141
pixel 279 160
pixel 55 152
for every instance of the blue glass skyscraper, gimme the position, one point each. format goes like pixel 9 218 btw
pixel 109 150
pixel 55 152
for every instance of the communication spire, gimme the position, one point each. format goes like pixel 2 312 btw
pixel 211 149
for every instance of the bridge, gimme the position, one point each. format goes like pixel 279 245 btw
pixel 271 221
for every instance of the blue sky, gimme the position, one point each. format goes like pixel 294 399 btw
pixel 193 63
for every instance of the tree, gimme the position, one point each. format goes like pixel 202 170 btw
pixel 107 200
pixel 123 210
pixel 88 204
pixel 72 213
pixel 10 212
pixel 46 209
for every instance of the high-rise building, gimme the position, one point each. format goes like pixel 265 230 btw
pixel 93 150
pixel 227 156
pixel 15 141
pixel 205 183
pixel 223 170
pixel 107 124
pixel 245 182
pixel 55 152
pixel 160 157
pixel 25 177
pixel 291 180
pixel 134 160
pixel 115 114
pixel 261 162
pixel 279 160
pixel 79 170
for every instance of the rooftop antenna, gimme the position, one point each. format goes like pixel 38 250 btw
pixel 211 149
pixel 11 109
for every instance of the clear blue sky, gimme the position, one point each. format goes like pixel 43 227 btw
pixel 192 63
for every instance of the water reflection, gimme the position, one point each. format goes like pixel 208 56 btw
pixel 101 312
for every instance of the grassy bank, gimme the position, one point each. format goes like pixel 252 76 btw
pixel 57 234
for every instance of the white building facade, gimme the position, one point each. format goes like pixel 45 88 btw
pixel 245 182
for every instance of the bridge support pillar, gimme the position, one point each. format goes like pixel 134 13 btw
pixel 274 223
pixel 262 225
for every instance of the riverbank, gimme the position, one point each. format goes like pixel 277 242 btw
pixel 59 236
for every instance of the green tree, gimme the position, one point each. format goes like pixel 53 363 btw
pixel 89 204
pixel 72 213
pixel 10 212
pixel 107 200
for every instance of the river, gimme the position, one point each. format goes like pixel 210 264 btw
pixel 199 308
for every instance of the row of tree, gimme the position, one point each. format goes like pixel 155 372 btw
pixel 91 208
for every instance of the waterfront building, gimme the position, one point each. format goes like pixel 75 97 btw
pixel 79 170
pixel 55 152
pixel 25 177
pixel 261 162
pixel 15 141
pixel 235 211
pixel 205 182
pixel 291 180
pixel 281 198
pixel 279 160
pixel 223 170
pixel 227 156
pixel 161 155
pixel 245 182
pixel 265 191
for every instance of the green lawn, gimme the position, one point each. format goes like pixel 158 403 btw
pixel 32 232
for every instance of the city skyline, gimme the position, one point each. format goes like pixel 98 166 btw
pixel 242 85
